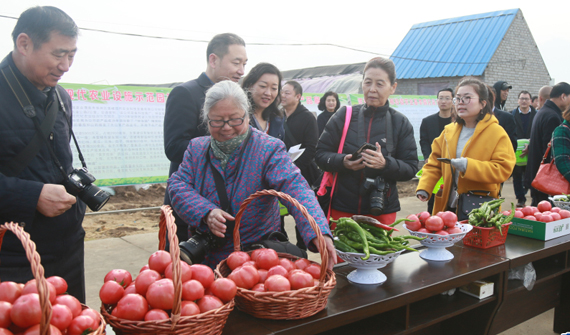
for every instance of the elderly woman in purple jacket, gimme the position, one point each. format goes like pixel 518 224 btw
pixel 248 161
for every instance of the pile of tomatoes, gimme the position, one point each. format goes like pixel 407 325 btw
pixel 264 271
pixel 151 295
pixel 543 212
pixel 20 311
pixel 443 223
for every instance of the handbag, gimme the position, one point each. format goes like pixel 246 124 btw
pixel 470 201
pixel 328 181
pixel 548 179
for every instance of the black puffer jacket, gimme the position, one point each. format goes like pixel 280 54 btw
pixel 350 195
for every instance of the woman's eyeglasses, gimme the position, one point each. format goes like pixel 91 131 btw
pixel 230 122
pixel 464 100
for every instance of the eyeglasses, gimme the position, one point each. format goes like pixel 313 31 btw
pixel 444 98
pixel 524 99
pixel 230 122
pixel 464 100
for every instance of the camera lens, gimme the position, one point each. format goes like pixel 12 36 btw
pixel 194 250
pixel 376 202
pixel 94 197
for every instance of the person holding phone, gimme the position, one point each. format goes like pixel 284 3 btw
pixel 366 185
pixel 475 150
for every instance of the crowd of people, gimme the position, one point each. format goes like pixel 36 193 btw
pixel 227 137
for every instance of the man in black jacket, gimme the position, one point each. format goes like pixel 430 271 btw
pixel 433 125
pixel 523 115
pixel 506 120
pixel 546 120
pixel 226 58
pixel 44 48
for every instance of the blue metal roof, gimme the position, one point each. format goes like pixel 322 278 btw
pixel 461 46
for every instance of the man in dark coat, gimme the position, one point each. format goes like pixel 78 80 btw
pixel 523 115
pixel 433 125
pixel 44 48
pixel 546 120
pixel 506 120
pixel 226 58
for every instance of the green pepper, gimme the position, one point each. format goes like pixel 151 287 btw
pixel 343 246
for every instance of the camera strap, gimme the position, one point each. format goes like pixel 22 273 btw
pixel 15 166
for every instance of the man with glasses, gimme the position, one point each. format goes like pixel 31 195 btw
pixel 226 60
pixel 546 120
pixel 432 126
pixel 523 115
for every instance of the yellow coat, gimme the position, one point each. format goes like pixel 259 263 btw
pixel 490 161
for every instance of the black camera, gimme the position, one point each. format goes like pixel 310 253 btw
pixel 194 250
pixel 80 183
pixel 377 188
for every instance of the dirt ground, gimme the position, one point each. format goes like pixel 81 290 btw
pixel 121 224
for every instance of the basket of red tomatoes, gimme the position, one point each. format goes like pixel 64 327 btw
pixel 168 296
pixel 274 285
pixel 41 306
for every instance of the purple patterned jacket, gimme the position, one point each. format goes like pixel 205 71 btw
pixel 265 165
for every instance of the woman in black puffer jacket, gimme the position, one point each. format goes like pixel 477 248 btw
pixel 372 176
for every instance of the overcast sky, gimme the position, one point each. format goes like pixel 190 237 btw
pixel 374 26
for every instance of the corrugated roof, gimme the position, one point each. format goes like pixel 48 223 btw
pixel 461 46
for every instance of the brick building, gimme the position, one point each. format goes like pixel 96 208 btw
pixel 490 46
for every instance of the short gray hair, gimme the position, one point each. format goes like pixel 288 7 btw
pixel 224 90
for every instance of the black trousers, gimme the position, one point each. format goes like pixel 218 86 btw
pixel 537 196
pixel 69 266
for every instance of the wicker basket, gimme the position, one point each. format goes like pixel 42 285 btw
pixel 288 305
pixel 38 272
pixel 211 322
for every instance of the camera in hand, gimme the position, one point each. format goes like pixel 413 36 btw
pixel 194 250
pixel 80 183
pixel 377 188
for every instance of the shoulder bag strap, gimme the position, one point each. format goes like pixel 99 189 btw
pixel 340 147
pixel 389 133
pixel 19 162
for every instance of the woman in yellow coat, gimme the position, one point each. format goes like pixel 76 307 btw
pixel 478 150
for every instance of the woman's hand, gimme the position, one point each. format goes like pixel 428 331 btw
pixel 353 165
pixel 330 249
pixel 374 159
pixel 422 196
pixel 216 220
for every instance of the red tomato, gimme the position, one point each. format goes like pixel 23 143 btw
pixel 546 218
pixel 5 309
pixel 209 302
pixel 132 307
pixel 31 287
pixel 278 283
pixel 189 308
pixel 160 294
pixel 159 260
pixel 192 290
pixel 527 210
pixel 244 277
pixel 544 206
pixel 299 279
pixel 35 330
pixel 224 288
pixel 203 274
pixel 250 263
pixel 262 275
pixel 555 216
pixel 26 310
pixel 537 215
pixel 61 316
pixel 10 291
pixel 59 283
pixel 277 270
pixel 121 276
pixel 534 209
pixel 413 225
pixel 442 232
pixel 546 213
pixel 131 289
pixel 530 217
pixel 267 259
pixel 146 267
pixel 507 213
pixel 440 214
pixel 80 324
pixel 5 332
pixel 93 314
pixel 519 214
pixel 454 230
pixel 302 263
pixel 555 209
pixel 449 219
pixel 259 287
pixel 185 269
pixel 255 253
pixel 71 302
pixel 423 216
pixel 314 270
pixel 423 230
pixel 237 258
pixel 144 280
pixel 156 314
pixel 563 214
pixel 111 292
pixel 434 223
pixel 287 264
